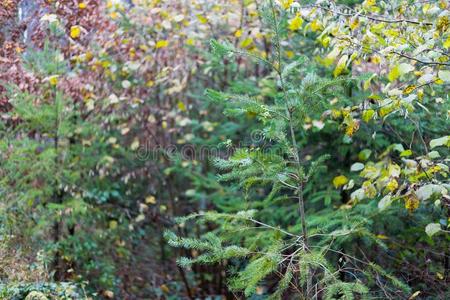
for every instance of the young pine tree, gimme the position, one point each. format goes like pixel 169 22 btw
pixel 283 243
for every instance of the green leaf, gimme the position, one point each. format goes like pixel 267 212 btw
pixel 433 154
pixel 385 202
pixel 405 68
pixel 358 195
pixel 444 75
pixel 364 154
pixel 443 141
pixel 427 78
pixel 425 192
pixel 406 153
pixel 357 167
pixel 432 228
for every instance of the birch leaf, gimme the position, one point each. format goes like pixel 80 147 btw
pixel 432 228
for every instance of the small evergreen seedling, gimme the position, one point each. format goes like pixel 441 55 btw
pixel 297 259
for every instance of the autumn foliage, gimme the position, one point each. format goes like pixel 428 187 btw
pixel 242 149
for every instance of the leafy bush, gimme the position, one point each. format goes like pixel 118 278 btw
pixel 41 291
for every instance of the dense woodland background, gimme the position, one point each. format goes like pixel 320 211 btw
pixel 240 149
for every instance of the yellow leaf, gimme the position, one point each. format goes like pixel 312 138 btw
pixel 181 106
pixel 202 19
pixel 135 144
pixel 339 181
pixel 113 224
pixel 162 44
pixel 340 65
pixel 75 31
pixel 382 237
pixel 286 3
pixel 420 94
pixel 394 73
pixel 53 80
pixel 411 202
pixel 325 41
pixel 385 110
pixel 165 288
pixel 447 43
pixel 406 153
pixel 369 189
pixel 108 294
pixel 352 128
pixel 392 185
pixel 114 15
pixel 295 23
pixel 413 296
pixel 366 83
pixel 289 54
pixel 331 57
pixel 336 114
pixel 367 115
pixel 316 25
pixel 442 23
pixel 375 59
pixel 409 89
pixel 354 23
pixel 247 42
pixel 190 42
pixel 150 200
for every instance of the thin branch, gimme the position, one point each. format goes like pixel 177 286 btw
pixel 374 18
pixel 421 61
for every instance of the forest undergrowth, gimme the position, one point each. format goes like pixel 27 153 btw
pixel 240 149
